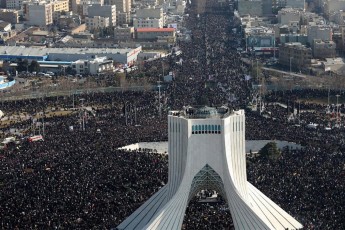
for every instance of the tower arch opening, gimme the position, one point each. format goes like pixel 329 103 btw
pixel 207 205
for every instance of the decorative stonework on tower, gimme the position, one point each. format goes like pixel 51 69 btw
pixel 207 151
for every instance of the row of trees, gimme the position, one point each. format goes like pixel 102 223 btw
pixel 24 65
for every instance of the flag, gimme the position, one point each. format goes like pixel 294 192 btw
pixel 247 77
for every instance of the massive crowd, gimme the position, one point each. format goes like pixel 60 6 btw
pixel 79 179
pixel 207 215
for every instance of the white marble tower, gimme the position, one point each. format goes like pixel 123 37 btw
pixel 207 151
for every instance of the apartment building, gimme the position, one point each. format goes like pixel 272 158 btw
pixel 123 33
pixel 40 13
pixel 323 32
pixel 60 7
pixel 123 6
pixel 323 49
pixel 295 55
pixel 149 17
pixel 105 11
pixel 97 22
pixel 148 23
pixel 14 4
pixel 11 16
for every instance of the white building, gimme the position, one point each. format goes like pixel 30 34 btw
pixel 123 10
pixel 106 11
pixel 124 56
pixel 150 17
pixel 207 151
pixel 95 66
pixel 148 23
pixel 5 31
pixel 150 12
pixel 97 22
pixel 123 6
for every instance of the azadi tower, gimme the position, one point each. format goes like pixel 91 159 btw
pixel 207 151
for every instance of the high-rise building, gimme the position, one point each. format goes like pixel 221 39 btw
pixel 9 15
pixel 150 17
pixel 14 4
pixel 251 7
pixel 207 151
pixel 40 13
pixel 123 10
pixel 103 11
pixel 74 5
pixel 123 6
pixel 323 32
pixel 96 22
pixel 2 3
pixel 59 7
pixel 295 55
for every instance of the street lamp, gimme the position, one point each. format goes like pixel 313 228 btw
pixel 337 109
pixel 82 113
pixel 290 65
pixel 257 69
pixel 260 105
pixel 159 98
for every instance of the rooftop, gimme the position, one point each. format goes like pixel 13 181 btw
pixel 203 112
pixel 41 51
pixel 140 30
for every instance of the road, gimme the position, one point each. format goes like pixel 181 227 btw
pixel 38 94
pixel 253 62
pixel 286 73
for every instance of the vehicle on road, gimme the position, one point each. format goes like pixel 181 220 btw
pixel 9 142
pixel 35 138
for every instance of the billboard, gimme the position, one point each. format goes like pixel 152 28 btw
pixel 172 25
pixel 260 41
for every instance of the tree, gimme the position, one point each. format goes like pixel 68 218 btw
pixel 123 81
pixel 70 70
pixel 22 65
pixel 270 150
pixel 34 66
pixel 256 71
pixel 21 18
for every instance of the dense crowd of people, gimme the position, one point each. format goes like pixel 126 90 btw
pixel 78 178
pixel 207 215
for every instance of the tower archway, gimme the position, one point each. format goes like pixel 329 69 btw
pixel 207 204
pixel 207 179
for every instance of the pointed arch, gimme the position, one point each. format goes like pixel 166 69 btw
pixel 207 178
